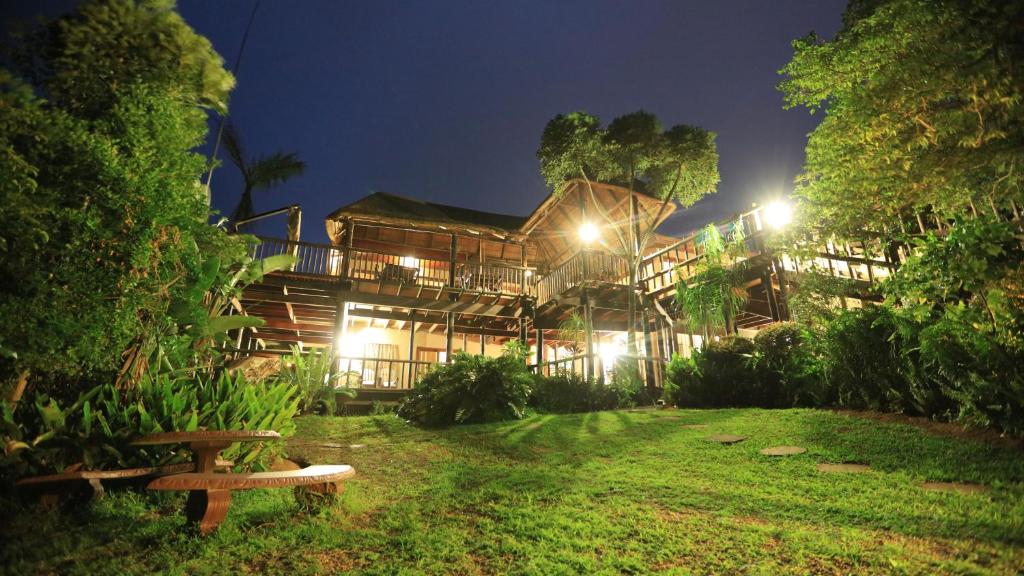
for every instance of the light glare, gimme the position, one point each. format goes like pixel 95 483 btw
pixel 778 214
pixel 588 232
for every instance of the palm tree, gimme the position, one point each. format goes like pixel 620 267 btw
pixel 258 173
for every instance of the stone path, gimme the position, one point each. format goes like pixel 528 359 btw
pixel 847 468
pixel 783 450
pixel 955 487
pixel 726 438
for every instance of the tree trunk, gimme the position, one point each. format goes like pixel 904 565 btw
pixel 19 389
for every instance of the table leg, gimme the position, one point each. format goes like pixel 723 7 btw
pixel 207 508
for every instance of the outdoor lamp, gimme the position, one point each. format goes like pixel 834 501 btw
pixel 588 232
pixel 778 214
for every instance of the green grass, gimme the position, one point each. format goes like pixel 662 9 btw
pixel 603 493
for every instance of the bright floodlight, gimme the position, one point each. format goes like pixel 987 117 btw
pixel 778 214
pixel 588 232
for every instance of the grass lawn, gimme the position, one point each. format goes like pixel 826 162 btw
pixel 603 493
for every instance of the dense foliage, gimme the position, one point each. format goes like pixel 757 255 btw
pixel 710 298
pixel 318 388
pixel 96 430
pixel 925 112
pixel 921 145
pixel 570 392
pixel 104 222
pixel 472 389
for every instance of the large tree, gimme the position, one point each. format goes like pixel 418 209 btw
pixel 634 151
pixel 924 105
pixel 104 220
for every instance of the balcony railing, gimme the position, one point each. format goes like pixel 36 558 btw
pixel 585 266
pixel 381 373
pixel 328 262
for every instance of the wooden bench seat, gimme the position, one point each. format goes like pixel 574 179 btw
pixel 210 493
pixel 88 484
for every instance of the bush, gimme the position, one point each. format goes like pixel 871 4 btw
pixel 721 374
pixel 472 389
pixel 568 392
pixel 104 224
pixel 863 362
pixel 317 387
pixel 97 430
pixel 786 364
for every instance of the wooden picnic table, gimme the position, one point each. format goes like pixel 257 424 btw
pixel 209 493
pixel 206 444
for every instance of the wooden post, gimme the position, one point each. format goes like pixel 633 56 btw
pixel 452 253
pixel 449 335
pixel 782 302
pixel 769 293
pixel 412 349
pixel 483 341
pixel 523 329
pixel 350 232
pixel 540 350
pixel 648 353
pixel 340 331
pixel 588 323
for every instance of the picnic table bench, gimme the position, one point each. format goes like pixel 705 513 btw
pixel 81 485
pixel 209 492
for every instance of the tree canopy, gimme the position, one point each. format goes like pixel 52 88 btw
pixel 104 220
pixel 259 172
pixel 679 164
pixel 924 111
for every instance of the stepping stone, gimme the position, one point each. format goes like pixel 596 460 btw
pixel 694 426
pixel 357 446
pixel 955 487
pixel 851 468
pixel 783 451
pixel 726 438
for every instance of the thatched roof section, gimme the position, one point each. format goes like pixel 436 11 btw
pixel 551 231
pixel 391 209
pixel 554 225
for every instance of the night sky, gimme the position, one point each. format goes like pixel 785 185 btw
pixel 446 100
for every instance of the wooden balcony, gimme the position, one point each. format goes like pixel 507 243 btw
pixel 587 266
pixel 330 263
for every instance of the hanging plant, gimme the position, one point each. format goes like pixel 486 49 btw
pixel 710 299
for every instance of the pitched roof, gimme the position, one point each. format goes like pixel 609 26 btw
pixel 381 205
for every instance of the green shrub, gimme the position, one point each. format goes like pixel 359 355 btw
pixel 786 364
pixel 104 223
pixel 97 429
pixel 569 392
pixel 472 389
pixel 864 362
pixel 959 299
pixel 317 388
pixel 722 375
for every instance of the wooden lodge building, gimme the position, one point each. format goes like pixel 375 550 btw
pixel 405 283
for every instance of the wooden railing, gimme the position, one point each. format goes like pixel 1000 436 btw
pixel 366 265
pixel 494 278
pixel 663 268
pixel 866 261
pixel 382 373
pixel 601 368
pixel 312 259
pixel 328 262
pixel 585 266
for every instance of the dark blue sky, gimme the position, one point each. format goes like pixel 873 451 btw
pixel 446 100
